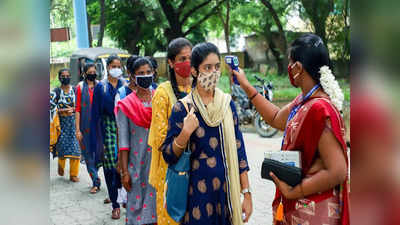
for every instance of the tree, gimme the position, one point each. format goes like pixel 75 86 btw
pixel 318 11
pixel 186 15
pixel 338 31
pixel 225 23
pixel 266 19
pixel 136 25
pixel 89 23
pixel 280 56
pixel 102 22
pixel 61 13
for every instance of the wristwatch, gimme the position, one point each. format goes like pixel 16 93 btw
pixel 246 190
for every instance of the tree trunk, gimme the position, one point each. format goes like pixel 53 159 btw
pixel 171 34
pixel 226 28
pixel 102 23
pixel 89 30
pixel 320 29
pixel 318 12
pixel 281 61
pixel 133 49
pixel 175 28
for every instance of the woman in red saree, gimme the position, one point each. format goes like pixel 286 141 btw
pixel 313 125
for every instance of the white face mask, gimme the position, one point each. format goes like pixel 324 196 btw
pixel 208 81
pixel 116 72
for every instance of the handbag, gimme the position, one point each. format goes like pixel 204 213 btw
pixel 177 184
pixel 55 131
pixel 291 175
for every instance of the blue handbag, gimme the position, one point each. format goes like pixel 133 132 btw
pixel 177 183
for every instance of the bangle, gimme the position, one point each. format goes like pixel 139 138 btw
pixel 251 98
pixel 124 174
pixel 177 145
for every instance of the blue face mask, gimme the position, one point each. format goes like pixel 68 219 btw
pixel 144 81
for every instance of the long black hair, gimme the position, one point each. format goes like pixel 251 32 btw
pixel 87 67
pixel 155 66
pixel 174 47
pixel 129 63
pixel 111 58
pixel 63 70
pixel 199 54
pixel 140 61
pixel 310 50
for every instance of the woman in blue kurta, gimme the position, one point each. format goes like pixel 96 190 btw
pixel 103 116
pixel 218 161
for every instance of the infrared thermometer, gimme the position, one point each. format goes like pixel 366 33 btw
pixel 233 62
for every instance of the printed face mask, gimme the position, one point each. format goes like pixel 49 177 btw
pixel 144 81
pixel 208 81
pixel 182 69
pixel 116 72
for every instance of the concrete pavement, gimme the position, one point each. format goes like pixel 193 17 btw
pixel 72 204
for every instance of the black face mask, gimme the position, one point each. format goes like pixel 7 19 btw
pixel 65 80
pixel 144 81
pixel 91 76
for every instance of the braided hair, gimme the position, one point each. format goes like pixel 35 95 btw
pixel 174 48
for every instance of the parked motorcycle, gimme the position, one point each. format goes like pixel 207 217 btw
pixel 247 112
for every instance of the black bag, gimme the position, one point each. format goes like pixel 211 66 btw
pixel 289 174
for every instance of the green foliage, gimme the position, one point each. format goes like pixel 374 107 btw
pixel 61 13
pixel 136 25
pixel 54 83
pixel 142 26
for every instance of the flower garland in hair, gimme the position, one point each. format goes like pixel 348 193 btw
pixel 331 87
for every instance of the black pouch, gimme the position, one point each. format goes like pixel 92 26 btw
pixel 289 174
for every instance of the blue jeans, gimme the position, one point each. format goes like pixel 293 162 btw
pixel 91 168
pixel 113 182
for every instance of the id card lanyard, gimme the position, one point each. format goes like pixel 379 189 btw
pixel 297 107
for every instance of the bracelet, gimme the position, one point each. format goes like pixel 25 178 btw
pixel 251 98
pixel 124 174
pixel 177 145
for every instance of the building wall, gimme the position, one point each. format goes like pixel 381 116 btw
pixel 55 67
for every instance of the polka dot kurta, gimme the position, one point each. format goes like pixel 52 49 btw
pixel 141 204
pixel 207 200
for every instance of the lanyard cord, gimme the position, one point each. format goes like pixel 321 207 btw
pixel 297 107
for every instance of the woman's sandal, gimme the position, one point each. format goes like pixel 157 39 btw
pixel 107 200
pixel 60 171
pixel 116 214
pixel 74 179
pixel 94 190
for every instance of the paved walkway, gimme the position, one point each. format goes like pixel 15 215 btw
pixel 72 204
